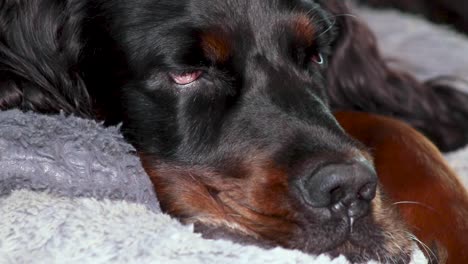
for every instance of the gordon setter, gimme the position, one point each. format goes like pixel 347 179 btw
pixel 230 105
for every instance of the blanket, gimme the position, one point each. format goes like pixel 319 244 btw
pixel 73 191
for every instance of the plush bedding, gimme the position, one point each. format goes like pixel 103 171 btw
pixel 72 191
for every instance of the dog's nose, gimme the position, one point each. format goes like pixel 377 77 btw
pixel 343 188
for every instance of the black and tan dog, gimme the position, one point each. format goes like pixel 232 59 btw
pixel 229 103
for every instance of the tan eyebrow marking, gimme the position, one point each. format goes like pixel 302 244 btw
pixel 216 45
pixel 303 28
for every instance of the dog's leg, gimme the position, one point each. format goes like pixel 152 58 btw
pixel 429 195
pixel 360 80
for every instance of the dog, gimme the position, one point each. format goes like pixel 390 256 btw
pixel 230 106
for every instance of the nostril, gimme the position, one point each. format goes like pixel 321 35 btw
pixel 337 194
pixel 346 187
pixel 323 188
pixel 368 191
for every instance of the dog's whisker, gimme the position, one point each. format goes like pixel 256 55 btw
pixel 345 15
pixel 329 28
pixel 334 21
pixel 378 258
pixel 416 203
pixel 333 17
pixel 312 10
pixel 423 246
pixel 394 241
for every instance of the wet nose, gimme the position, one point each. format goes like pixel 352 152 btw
pixel 343 188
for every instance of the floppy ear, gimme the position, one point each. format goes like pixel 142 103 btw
pixel 360 79
pixel 39 68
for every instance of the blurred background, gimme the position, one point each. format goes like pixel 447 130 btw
pixel 453 12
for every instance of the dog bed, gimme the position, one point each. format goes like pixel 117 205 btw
pixel 72 191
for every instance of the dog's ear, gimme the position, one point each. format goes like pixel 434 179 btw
pixel 39 68
pixel 360 79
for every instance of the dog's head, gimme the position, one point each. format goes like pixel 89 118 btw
pixel 228 108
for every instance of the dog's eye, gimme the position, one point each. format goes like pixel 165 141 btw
pixel 318 58
pixel 186 77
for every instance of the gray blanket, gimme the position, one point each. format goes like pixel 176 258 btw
pixel 72 191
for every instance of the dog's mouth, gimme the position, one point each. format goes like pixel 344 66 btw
pixel 364 241
pixel 371 240
pixel 261 211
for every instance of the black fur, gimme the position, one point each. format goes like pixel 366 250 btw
pixel 40 45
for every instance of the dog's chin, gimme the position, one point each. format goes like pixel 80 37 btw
pixel 370 242
pixel 350 245
pixel 356 253
pixel 230 234
pixel 358 257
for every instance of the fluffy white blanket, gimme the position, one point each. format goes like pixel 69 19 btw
pixel 71 191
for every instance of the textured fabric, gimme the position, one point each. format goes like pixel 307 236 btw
pixel 42 228
pixel 62 230
pixel 71 157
